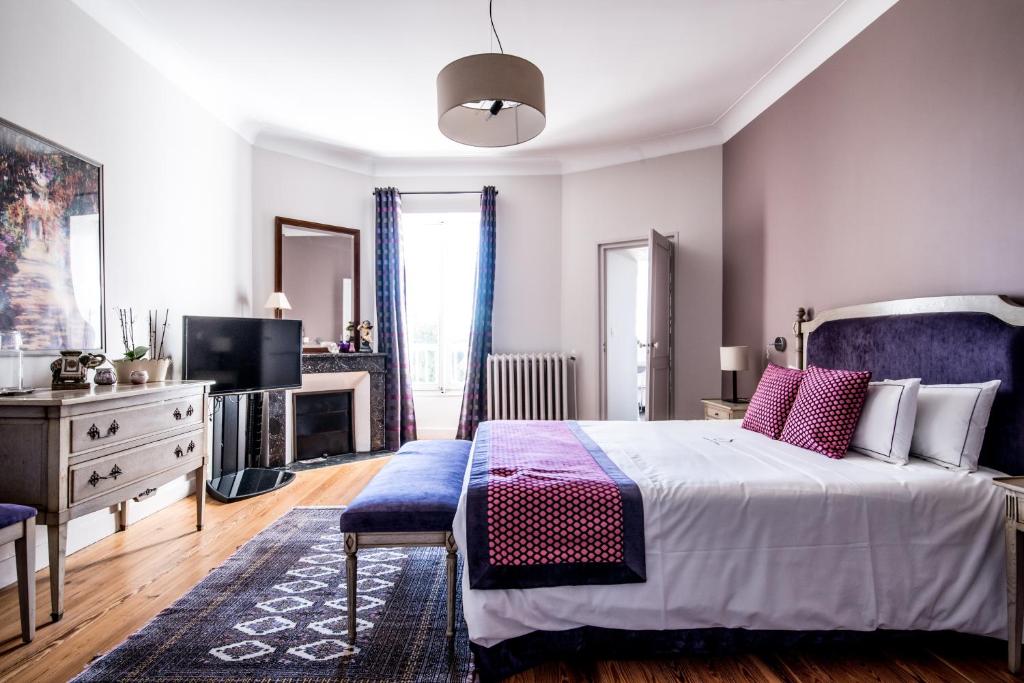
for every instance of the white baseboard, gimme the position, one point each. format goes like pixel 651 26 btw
pixel 85 531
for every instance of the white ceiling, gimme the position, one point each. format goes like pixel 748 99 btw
pixel 354 81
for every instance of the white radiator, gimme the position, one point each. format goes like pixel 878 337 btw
pixel 531 386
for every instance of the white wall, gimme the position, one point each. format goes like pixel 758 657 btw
pixel 527 280
pixel 283 185
pixel 548 231
pixel 679 194
pixel 177 185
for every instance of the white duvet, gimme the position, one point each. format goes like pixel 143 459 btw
pixel 754 533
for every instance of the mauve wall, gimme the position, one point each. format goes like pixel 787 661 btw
pixel 894 170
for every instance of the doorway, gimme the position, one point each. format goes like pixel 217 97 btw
pixel 635 307
pixel 625 332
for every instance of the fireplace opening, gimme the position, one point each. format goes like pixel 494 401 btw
pixel 323 424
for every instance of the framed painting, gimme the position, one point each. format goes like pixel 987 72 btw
pixel 51 244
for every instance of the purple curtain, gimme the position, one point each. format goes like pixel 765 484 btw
pixel 392 339
pixel 475 392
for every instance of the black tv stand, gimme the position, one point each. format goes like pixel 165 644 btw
pixel 238 450
pixel 247 483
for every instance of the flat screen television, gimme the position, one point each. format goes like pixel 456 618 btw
pixel 242 354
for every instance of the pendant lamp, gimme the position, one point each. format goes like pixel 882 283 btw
pixel 491 99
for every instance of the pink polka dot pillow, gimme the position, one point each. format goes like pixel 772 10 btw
pixel 826 410
pixel 770 404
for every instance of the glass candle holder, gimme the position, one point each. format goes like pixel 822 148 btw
pixel 11 360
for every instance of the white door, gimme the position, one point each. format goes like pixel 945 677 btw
pixel 661 255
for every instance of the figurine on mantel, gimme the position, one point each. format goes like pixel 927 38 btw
pixel 353 336
pixel 365 337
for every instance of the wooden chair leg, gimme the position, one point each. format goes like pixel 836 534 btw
pixel 351 548
pixel 450 567
pixel 25 559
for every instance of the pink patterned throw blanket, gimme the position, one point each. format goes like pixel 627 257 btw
pixel 547 507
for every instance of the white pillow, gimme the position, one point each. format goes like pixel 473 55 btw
pixel 951 421
pixel 886 425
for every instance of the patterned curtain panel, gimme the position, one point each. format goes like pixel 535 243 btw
pixel 392 338
pixel 475 393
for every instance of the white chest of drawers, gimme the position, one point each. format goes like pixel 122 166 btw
pixel 69 453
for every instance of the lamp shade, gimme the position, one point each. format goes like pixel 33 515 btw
pixel 735 357
pixel 278 300
pixel 490 100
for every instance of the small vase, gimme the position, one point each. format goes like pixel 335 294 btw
pixel 138 377
pixel 104 376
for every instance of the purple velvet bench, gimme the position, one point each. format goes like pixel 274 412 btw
pixel 18 525
pixel 410 502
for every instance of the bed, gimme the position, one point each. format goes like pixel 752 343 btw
pixel 745 536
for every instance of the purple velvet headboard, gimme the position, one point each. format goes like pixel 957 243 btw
pixel 951 340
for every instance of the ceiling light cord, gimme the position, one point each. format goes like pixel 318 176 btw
pixel 490 11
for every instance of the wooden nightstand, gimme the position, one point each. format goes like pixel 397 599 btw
pixel 1014 489
pixel 720 409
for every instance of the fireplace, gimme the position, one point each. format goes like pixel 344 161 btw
pixel 362 373
pixel 323 424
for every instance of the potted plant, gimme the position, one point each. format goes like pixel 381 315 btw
pixel 135 356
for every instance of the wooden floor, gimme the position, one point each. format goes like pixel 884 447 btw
pixel 117 585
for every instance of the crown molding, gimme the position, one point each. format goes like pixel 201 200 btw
pixel 466 166
pixel 576 161
pixel 398 167
pixel 569 161
pixel 827 38
pixel 314 150
pixel 824 40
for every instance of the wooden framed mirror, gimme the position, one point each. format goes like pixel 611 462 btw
pixel 317 267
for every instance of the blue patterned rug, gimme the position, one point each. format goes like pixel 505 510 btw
pixel 276 611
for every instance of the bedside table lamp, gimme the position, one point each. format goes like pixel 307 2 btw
pixel 734 359
pixel 279 302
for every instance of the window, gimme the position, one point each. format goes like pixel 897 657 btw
pixel 440 271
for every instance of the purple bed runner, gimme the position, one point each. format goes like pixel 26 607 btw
pixel 546 507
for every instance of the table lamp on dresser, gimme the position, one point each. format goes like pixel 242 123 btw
pixel 735 359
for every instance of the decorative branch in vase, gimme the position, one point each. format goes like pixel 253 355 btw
pixel 135 363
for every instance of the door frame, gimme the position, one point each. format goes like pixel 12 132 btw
pixel 602 342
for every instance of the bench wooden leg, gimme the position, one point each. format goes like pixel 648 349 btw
pixel 351 548
pixel 25 559
pixel 449 545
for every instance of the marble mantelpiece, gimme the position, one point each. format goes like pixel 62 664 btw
pixel 315 363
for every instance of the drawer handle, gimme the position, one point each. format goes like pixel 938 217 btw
pixel 115 472
pixel 94 431
pixel 188 413
pixel 177 414
pixel 178 452
pixel 191 446
pixel 145 494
